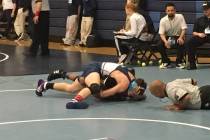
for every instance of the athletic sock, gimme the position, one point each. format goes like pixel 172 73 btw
pixel 78 98
pixel 49 85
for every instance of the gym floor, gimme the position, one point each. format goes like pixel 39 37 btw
pixel 25 116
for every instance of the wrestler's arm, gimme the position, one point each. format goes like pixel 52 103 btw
pixel 120 87
pixel 181 104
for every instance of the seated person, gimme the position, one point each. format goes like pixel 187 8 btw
pixel 172 33
pixel 184 93
pixel 135 27
pixel 201 32
pixel 123 84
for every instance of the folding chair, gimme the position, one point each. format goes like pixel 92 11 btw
pixel 142 51
pixel 203 52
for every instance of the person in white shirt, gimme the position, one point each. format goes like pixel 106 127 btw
pixel 172 30
pixel 184 94
pixel 9 7
pixel 135 31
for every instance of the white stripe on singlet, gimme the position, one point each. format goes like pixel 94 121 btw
pixel 108 67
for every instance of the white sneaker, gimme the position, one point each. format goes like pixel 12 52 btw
pixel 63 39
pixel 20 37
pixel 180 65
pixel 67 42
pixel 164 66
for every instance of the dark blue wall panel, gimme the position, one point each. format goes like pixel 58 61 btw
pixel 110 15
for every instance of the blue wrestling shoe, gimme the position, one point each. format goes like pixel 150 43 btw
pixel 74 104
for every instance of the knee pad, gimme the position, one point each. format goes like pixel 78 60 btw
pixel 95 89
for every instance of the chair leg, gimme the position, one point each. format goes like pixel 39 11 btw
pixel 129 58
pixel 152 54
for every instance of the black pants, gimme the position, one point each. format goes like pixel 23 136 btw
pixel 6 16
pixel 192 45
pixel 40 34
pixel 205 97
pixel 164 56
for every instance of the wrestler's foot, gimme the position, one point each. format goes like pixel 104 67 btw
pixel 40 87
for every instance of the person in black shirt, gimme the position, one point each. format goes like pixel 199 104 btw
pixel 88 13
pixel 201 35
pixel 72 21
pixel 40 28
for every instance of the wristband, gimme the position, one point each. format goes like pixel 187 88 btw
pixel 37 13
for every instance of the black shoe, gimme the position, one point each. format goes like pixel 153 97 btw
pixel 45 54
pixel 30 54
pixel 191 67
pixel 56 74
pixel 82 44
pixel 90 41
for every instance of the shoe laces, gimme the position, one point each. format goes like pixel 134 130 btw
pixel 41 88
pixel 57 72
pixel 74 101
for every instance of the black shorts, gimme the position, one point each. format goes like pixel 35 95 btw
pixel 205 97
pixel 96 67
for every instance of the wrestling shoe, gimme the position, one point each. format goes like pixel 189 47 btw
pixel 74 104
pixel 56 74
pixel 40 87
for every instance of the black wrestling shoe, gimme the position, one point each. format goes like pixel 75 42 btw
pixel 56 75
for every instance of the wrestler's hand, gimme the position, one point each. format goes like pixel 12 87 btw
pixel 173 107
pixel 194 82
